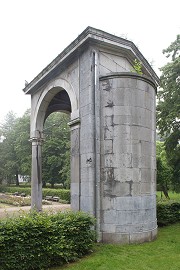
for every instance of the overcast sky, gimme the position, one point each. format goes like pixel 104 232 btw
pixel 34 32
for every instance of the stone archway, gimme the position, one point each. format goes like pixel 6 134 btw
pixel 58 96
pixel 113 166
pixel 42 101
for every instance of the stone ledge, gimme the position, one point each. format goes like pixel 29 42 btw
pixel 132 75
pixel 74 122
pixel 126 238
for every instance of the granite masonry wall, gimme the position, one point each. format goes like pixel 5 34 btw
pixel 128 158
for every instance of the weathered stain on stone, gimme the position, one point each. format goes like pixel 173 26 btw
pixel 106 85
pixel 108 133
pixel 112 121
pixel 110 104
pixel 89 160
pixel 110 175
pixel 109 120
pixel 109 178
pixel 106 129
pixel 130 187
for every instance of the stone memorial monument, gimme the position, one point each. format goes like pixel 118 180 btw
pixel 112 111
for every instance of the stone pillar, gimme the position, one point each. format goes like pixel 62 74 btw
pixel 36 175
pixel 75 165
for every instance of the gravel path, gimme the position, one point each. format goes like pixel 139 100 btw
pixel 14 211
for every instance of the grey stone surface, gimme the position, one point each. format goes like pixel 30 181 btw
pixel 109 237
pixel 112 133
pixel 128 166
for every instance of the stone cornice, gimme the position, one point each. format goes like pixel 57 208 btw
pixel 88 36
pixel 129 75
pixel 74 122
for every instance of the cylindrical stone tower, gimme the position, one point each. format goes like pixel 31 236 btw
pixel 128 158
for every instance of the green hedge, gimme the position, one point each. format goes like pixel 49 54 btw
pixel 28 184
pixel 38 241
pixel 64 194
pixel 168 213
pixel 27 190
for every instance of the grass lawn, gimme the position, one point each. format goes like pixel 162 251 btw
pixel 162 254
pixel 172 195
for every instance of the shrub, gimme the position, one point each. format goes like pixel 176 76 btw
pixel 38 241
pixel 168 213
pixel 14 189
pixel 63 194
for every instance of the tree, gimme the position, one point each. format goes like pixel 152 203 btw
pixel 15 149
pixel 15 155
pixel 1 163
pixel 164 170
pixel 9 166
pixel 22 144
pixel 168 109
pixel 56 150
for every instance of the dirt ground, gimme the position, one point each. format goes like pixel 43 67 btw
pixel 14 211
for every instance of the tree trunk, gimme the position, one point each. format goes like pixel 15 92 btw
pixel 165 191
pixel 52 184
pixel 17 179
pixel 43 184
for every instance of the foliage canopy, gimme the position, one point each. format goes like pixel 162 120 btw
pixel 164 170
pixel 168 108
pixel 15 149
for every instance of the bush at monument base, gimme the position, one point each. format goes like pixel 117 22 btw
pixel 168 213
pixel 38 240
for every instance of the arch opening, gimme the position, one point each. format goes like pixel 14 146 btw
pixel 56 118
pixel 60 102
pixel 55 99
pixel 56 150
